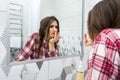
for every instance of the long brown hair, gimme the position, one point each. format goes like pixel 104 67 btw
pixel 44 31
pixel 104 14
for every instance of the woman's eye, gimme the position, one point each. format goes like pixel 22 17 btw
pixel 51 26
pixel 56 26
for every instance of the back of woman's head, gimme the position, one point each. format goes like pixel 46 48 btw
pixel 104 14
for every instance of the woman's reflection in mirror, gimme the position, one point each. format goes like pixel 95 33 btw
pixel 42 44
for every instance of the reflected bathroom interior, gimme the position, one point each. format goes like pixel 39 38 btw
pixel 22 22
pixel 24 17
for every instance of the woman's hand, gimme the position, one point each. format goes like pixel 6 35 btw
pixel 87 40
pixel 53 40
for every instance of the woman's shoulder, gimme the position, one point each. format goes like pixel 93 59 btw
pixel 35 35
pixel 112 34
pixel 109 30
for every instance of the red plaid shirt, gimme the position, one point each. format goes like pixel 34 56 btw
pixel 30 48
pixel 104 59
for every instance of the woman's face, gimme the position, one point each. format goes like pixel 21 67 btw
pixel 53 29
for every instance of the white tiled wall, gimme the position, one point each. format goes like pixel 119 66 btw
pixel 4 5
pixel 3 27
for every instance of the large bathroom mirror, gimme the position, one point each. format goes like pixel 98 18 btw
pixel 25 16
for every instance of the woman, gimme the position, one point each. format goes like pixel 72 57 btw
pixel 42 44
pixel 104 33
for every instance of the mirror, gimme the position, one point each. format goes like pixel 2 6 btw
pixel 25 16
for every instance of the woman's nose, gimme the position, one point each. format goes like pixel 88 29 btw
pixel 55 29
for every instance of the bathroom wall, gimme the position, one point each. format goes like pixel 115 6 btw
pixel 4 37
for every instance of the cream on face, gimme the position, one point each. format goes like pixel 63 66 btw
pixel 53 29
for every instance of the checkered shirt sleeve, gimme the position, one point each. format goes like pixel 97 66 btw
pixel 31 47
pixel 27 51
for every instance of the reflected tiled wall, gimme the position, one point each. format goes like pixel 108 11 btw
pixel 70 44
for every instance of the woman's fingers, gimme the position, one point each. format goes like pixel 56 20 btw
pixel 58 36
pixel 55 35
pixel 87 41
pixel 55 38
